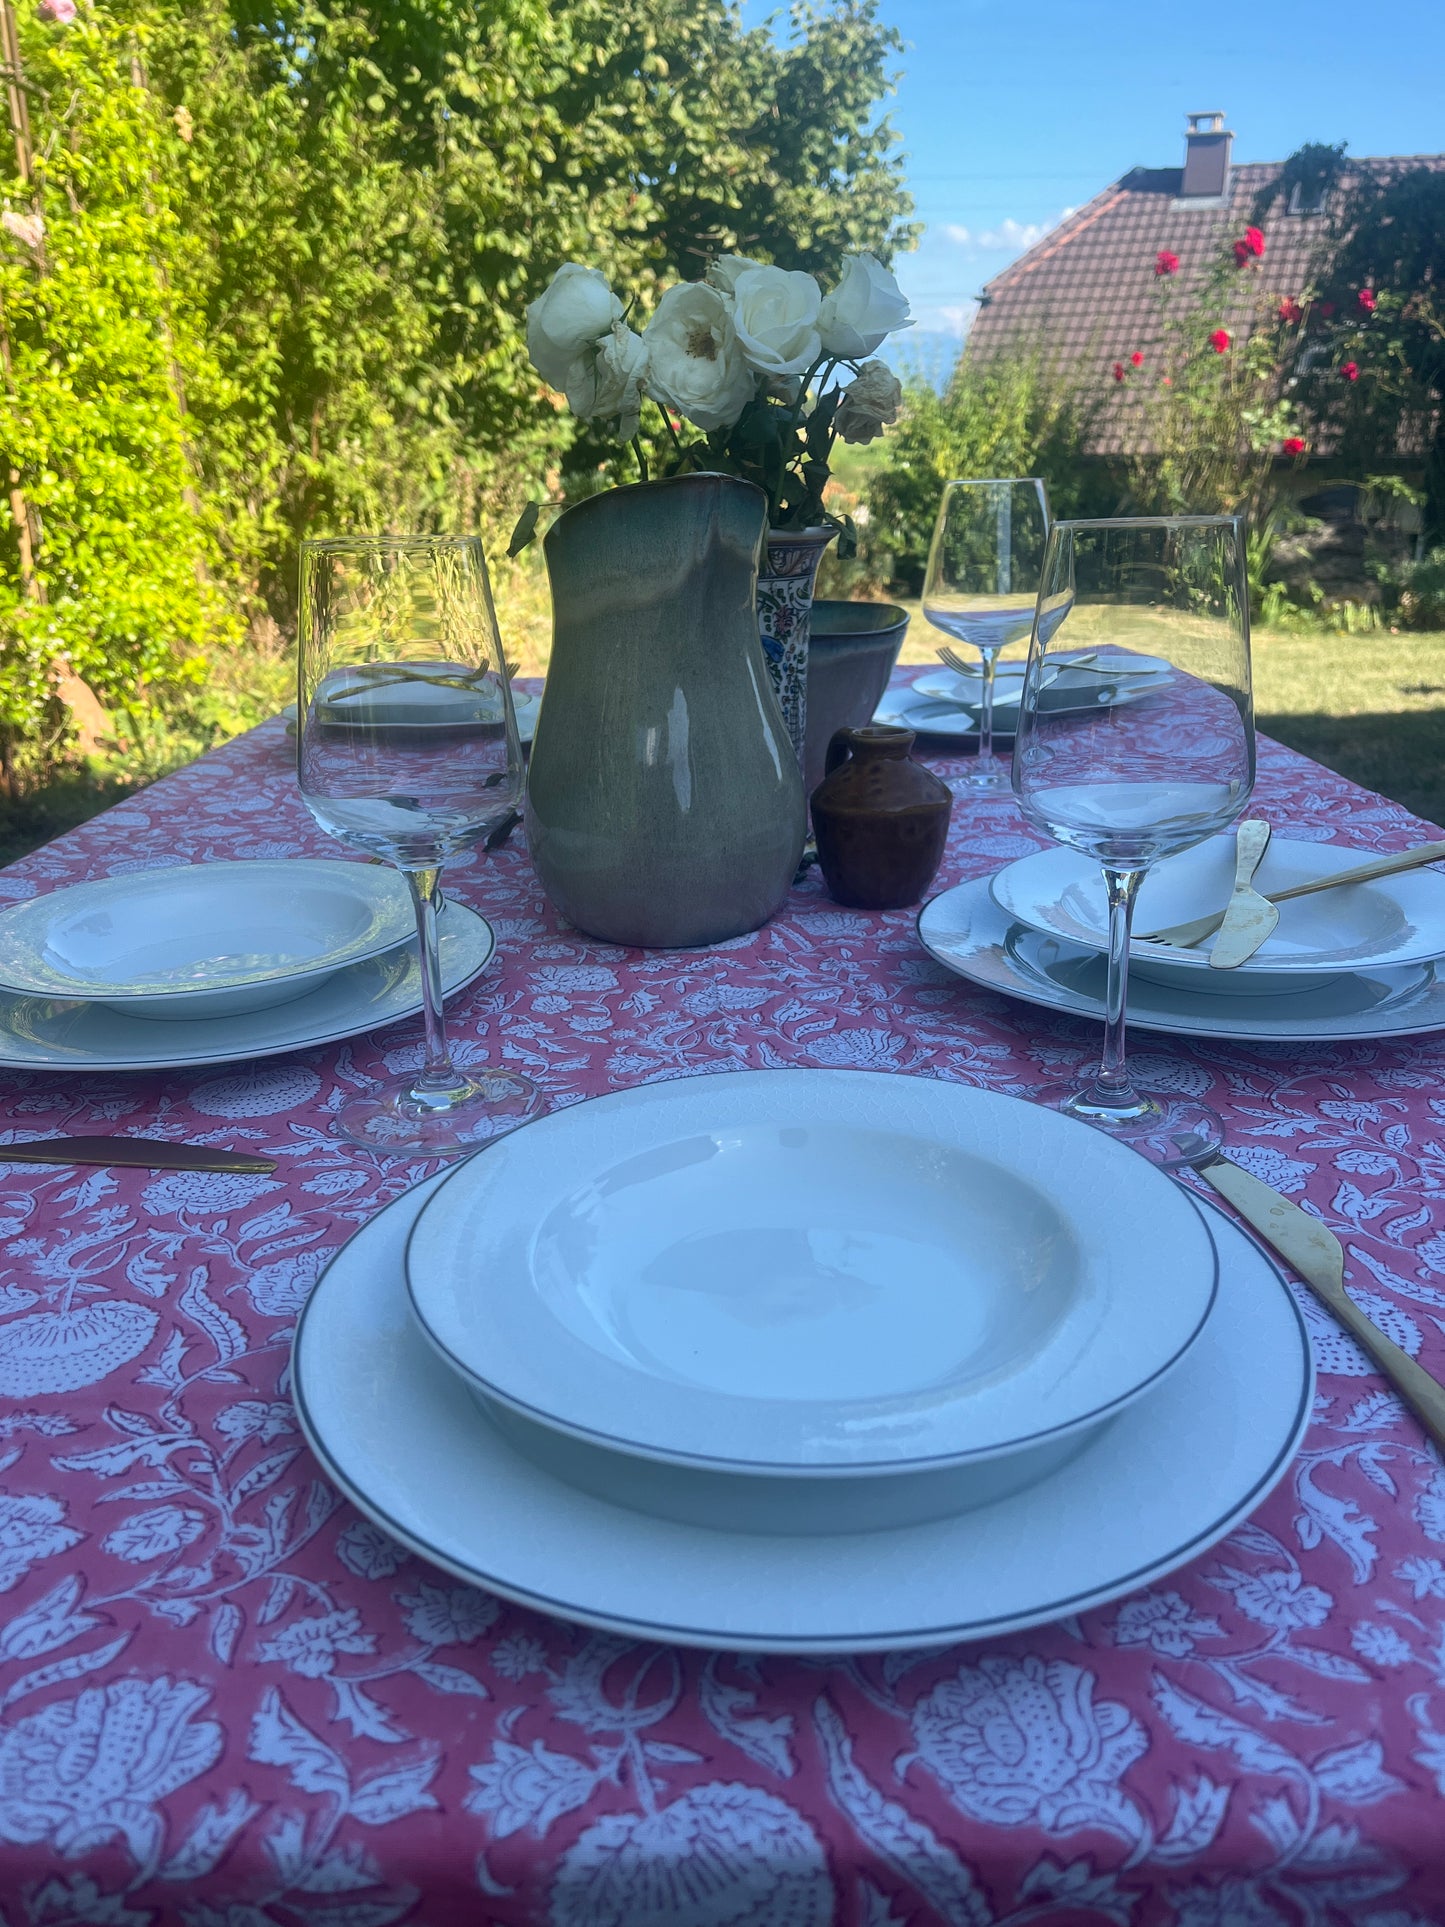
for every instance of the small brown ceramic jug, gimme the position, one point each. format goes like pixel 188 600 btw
pixel 880 819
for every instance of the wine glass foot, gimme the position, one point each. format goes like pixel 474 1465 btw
pixel 396 1120
pixel 990 777
pixel 1172 1132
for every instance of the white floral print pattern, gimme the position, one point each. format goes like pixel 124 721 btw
pixel 226 1700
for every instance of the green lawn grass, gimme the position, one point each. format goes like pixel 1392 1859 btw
pixel 1370 706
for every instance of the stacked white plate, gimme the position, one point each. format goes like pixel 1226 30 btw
pixel 803 1360
pixel 526 706
pixel 1361 961
pixel 208 963
pixel 947 703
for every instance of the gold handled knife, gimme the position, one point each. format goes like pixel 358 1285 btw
pixel 1318 1257
pixel 1182 936
pixel 1248 918
pixel 136 1153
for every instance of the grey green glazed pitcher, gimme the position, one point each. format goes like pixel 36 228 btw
pixel 665 806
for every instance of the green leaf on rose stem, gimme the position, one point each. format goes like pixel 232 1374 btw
pixel 526 528
pixel 820 425
pixel 756 427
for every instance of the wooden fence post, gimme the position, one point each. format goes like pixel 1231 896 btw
pixel 20 511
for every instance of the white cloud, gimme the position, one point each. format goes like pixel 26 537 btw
pixel 1009 237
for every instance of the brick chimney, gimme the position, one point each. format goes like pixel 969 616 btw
pixel 1206 158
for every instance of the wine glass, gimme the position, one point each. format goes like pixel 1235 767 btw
pixel 407 747
pixel 1130 783
pixel 982 584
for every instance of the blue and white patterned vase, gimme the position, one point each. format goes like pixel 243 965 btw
pixel 785 619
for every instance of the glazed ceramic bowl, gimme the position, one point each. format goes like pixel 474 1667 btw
pixel 852 654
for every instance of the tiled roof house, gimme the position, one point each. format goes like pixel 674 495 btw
pixel 1088 290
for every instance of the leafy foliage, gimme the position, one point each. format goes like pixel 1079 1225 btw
pixel 1007 415
pixel 1386 290
pixel 98 348
pixel 287 253
pixel 1213 410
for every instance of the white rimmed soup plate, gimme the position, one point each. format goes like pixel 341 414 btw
pixel 811 1275
pixel 398 1432
pixel 964 930
pixel 1361 926
pixel 203 940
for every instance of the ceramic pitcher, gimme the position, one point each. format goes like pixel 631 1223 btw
pixel 665 805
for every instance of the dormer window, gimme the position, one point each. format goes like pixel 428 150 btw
pixel 1307 197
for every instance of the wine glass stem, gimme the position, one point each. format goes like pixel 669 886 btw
pixel 1111 1084
pixel 439 1076
pixel 985 714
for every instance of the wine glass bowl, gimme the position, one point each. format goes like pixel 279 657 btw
pixel 1130 784
pixel 407 748
pixel 981 583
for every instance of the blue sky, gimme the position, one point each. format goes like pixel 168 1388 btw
pixel 1011 111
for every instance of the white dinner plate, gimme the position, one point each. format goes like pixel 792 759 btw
pixel 525 706
pixel 204 940
pixel 965 930
pixel 810 1271
pixel 1363 926
pixel 403 1439
pixel 948 716
pixel 38 1034
pixel 949 685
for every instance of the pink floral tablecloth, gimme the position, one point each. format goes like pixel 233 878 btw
pixel 226 1700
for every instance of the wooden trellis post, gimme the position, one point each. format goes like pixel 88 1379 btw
pixel 20 511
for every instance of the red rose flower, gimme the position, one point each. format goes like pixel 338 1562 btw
pixel 1293 445
pixel 1366 299
pixel 1351 371
pixel 1254 240
pixel 1242 253
pixel 1118 371
pixel 1166 262
pixel 1219 341
pixel 1137 359
pixel 1290 311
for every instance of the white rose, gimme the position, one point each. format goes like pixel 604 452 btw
pixel 694 362
pixel 776 316
pixel 866 305
pixel 605 381
pixel 869 403
pixel 576 310
pixel 724 272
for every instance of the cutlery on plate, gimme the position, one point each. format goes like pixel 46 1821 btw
pixel 136 1153
pixel 1181 936
pixel 1248 917
pixel 961 666
pixel 1110 666
pixel 1317 1255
